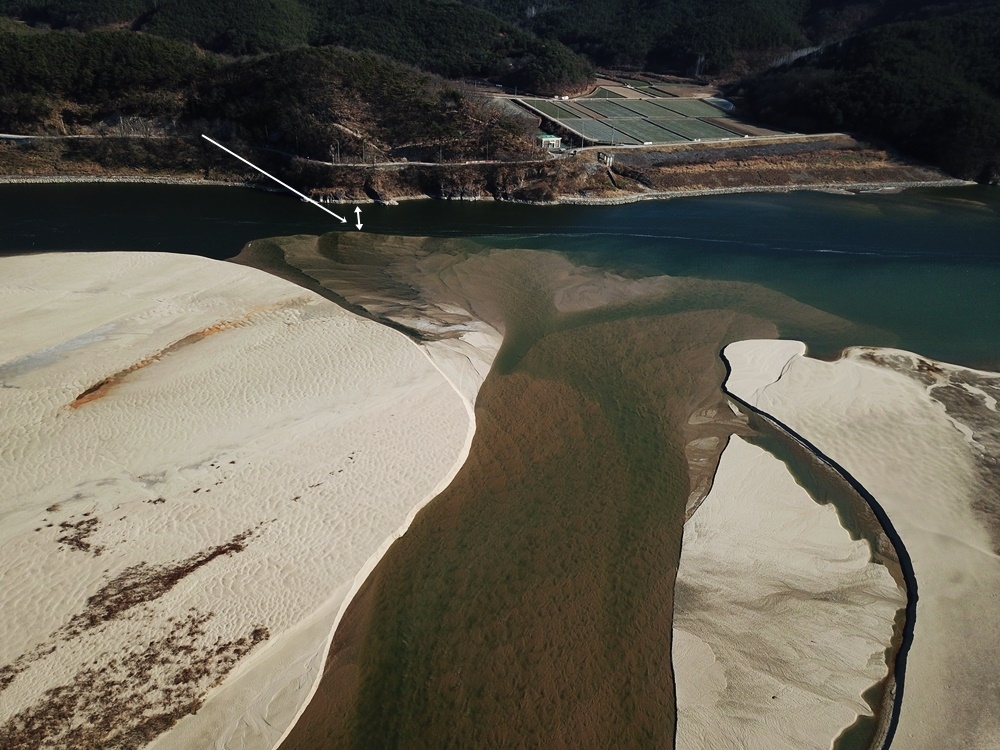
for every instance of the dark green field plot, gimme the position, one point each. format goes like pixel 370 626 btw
pixel 694 129
pixel 645 131
pixel 635 121
pixel 551 109
pixel 648 108
pixel 607 109
pixel 693 108
pixel 661 93
pixel 597 130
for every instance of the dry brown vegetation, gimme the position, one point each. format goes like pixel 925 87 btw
pixel 125 702
pixel 76 536
pixel 128 701
pixel 143 583
pixel 839 160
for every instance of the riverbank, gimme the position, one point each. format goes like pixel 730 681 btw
pixel 842 188
pixel 803 635
pixel 831 163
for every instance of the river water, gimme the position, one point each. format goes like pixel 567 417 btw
pixel 918 270
pixel 922 266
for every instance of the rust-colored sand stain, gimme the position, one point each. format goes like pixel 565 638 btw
pixel 101 388
pixel 104 386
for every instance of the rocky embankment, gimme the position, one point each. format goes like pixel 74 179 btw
pixel 785 163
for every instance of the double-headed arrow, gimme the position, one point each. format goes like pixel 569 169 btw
pixel 358 212
pixel 301 195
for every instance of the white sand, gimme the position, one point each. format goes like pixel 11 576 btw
pixel 315 431
pixel 780 619
pixel 927 467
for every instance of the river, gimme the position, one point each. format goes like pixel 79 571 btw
pixel 923 266
pixel 918 270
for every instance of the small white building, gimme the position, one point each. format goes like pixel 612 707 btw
pixel 549 142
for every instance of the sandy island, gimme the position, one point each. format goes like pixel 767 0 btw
pixel 199 459
pixel 923 438
pixel 781 620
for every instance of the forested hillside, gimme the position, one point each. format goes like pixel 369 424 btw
pixel 543 46
pixel 728 37
pixel 446 37
pixel 305 101
pixel 931 87
pixel 679 35
pixel 920 74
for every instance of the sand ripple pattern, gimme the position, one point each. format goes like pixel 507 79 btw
pixel 781 620
pixel 197 459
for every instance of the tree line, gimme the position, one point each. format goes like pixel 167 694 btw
pixel 446 37
pixel 316 102
pixel 931 87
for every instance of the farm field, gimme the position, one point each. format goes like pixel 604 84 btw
pixel 604 93
pixel 623 121
pixel 648 108
pixel 606 108
pixel 742 128
pixel 692 107
pixel 646 131
pixel 600 132
pixel 693 129
pixel 551 109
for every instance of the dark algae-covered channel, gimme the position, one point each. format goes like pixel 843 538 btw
pixel 531 603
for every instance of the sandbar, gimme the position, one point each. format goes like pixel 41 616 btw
pixel 923 438
pixel 781 620
pixel 199 462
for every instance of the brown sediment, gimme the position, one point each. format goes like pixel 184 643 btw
pixel 532 601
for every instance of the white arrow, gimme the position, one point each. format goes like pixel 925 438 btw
pixel 301 195
pixel 358 212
